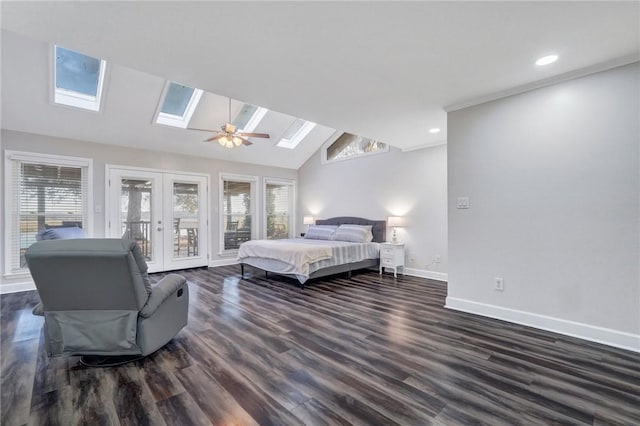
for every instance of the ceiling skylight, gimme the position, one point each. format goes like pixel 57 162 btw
pixel 249 117
pixel 298 130
pixel 78 79
pixel 178 105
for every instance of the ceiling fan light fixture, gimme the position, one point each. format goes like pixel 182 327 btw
pixel 236 141
pixel 226 142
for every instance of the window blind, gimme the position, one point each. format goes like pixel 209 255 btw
pixel 236 210
pixel 44 195
pixel 278 205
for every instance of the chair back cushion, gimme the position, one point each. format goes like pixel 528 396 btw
pixel 89 274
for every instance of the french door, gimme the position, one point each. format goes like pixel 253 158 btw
pixel 165 213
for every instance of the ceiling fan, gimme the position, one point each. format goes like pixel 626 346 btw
pixel 229 136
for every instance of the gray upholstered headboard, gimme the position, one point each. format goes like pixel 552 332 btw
pixel 378 227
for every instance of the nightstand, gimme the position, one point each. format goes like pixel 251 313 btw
pixel 392 256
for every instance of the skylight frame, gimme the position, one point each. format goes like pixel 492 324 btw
pixel 180 121
pixel 255 119
pixel 297 137
pixel 76 99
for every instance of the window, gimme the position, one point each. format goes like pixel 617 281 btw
pixel 237 210
pixel 350 146
pixel 279 208
pixel 298 130
pixel 249 117
pixel 78 79
pixel 43 192
pixel 178 105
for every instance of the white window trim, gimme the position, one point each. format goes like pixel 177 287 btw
pixel 181 121
pixel 333 138
pixel 75 99
pixel 54 160
pixel 292 214
pixel 255 227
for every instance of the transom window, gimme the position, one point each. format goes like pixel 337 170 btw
pixel 78 79
pixel 296 132
pixel 351 146
pixel 249 117
pixel 178 105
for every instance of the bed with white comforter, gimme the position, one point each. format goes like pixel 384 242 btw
pixel 302 257
pixel 305 258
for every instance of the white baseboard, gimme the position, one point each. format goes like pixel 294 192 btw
pixel 589 332
pixel 16 287
pixel 423 273
pixel 223 262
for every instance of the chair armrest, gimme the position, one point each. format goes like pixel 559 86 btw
pixel 38 309
pixel 161 292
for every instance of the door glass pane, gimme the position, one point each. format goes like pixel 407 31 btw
pixel 135 213
pixel 185 219
pixel 236 211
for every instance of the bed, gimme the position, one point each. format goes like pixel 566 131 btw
pixel 305 259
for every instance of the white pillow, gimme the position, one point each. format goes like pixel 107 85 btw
pixel 320 232
pixel 354 233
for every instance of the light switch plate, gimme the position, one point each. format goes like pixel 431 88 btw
pixel 462 203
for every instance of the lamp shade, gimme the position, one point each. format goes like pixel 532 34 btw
pixel 307 220
pixel 395 221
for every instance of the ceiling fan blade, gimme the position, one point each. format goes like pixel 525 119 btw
pixel 213 138
pixel 202 130
pixel 255 135
pixel 246 142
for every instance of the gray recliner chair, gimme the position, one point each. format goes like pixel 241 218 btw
pixel 97 300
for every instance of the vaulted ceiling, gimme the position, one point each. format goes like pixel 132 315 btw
pixel 383 70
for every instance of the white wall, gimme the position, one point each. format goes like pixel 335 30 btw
pixel 110 154
pixel 411 184
pixel 553 181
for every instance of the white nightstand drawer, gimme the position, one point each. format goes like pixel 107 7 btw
pixel 387 251
pixel 392 256
pixel 386 261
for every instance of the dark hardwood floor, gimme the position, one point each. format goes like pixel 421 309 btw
pixel 371 350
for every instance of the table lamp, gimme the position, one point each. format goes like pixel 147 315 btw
pixel 307 220
pixel 395 222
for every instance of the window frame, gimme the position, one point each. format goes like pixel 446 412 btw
pixel 10 197
pixel 298 136
pixel 255 218
pixel 69 98
pixel 333 138
pixel 180 121
pixel 292 213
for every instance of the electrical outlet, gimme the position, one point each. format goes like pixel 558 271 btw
pixel 438 259
pixel 462 203
pixel 499 283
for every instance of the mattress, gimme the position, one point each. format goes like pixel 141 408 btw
pixel 341 253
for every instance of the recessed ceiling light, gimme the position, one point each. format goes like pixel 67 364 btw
pixel 434 130
pixel 546 60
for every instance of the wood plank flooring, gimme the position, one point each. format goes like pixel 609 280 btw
pixel 372 350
